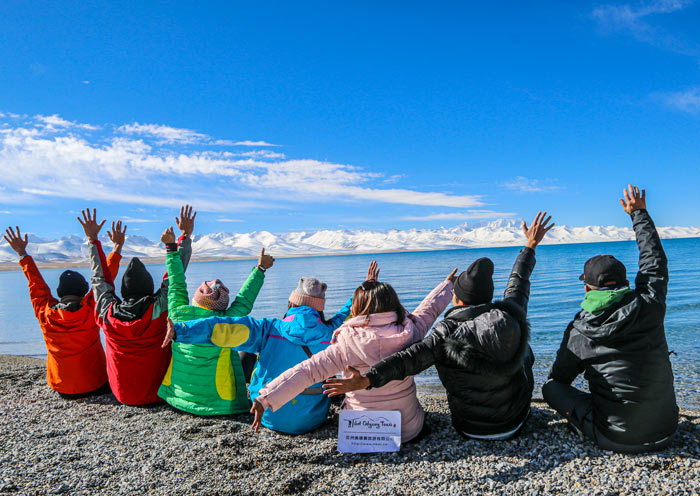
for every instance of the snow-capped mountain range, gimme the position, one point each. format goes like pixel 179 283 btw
pixel 505 232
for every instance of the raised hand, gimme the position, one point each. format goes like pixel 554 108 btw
pixel 90 225
pixel 633 199
pixel 168 236
pixel 336 386
pixel 537 229
pixel 169 334
pixel 372 271
pixel 186 220
pixel 16 241
pixel 117 235
pixel 265 261
pixel 257 410
pixel 452 276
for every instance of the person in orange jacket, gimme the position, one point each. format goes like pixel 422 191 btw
pixel 75 363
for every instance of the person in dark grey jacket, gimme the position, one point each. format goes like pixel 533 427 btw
pixel 480 350
pixel 618 340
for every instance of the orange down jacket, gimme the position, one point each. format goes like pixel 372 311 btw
pixel 75 362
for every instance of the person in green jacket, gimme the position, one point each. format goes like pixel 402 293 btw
pixel 206 379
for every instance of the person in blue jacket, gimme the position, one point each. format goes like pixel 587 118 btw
pixel 280 344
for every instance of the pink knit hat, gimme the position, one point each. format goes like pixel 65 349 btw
pixel 212 295
pixel 309 293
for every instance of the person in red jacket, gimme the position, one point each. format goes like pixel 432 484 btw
pixel 135 325
pixel 75 362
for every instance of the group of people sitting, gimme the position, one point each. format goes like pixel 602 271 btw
pixel 200 356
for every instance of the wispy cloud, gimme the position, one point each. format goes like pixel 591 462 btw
pixel 69 162
pixel 468 215
pixel 685 101
pixel 229 220
pixel 253 143
pixel 526 185
pixel 166 133
pixel 55 122
pixel 637 20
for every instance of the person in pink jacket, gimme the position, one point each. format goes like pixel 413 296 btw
pixel 380 327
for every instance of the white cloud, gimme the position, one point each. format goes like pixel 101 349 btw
pixel 85 82
pixel 229 220
pixel 468 215
pixel 526 185
pixel 685 101
pixel 52 122
pixel 166 133
pixel 635 20
pixel 253 143
pixel 133 220
pixel 70 164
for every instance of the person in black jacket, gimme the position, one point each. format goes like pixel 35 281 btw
pixel 618 341
pixel 480 350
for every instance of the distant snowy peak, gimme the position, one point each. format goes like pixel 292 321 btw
pixel 504 232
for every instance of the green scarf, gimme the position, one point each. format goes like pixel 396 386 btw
pixel 597 301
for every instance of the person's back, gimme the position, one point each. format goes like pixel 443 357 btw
pixel 484 361
pixel 205 379
pixel 618 341
pixel 134 326
pixel 75 361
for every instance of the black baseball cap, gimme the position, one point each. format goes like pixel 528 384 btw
pixel 604 271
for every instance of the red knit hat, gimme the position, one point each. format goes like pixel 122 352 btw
pixel 212 295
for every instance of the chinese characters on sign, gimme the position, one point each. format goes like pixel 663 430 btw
pixel 363 431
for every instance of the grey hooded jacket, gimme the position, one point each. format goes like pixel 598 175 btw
pixel 623 352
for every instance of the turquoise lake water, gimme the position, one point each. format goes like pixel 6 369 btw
pixel 555 297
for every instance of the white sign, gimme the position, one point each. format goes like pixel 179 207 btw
pixel 369 431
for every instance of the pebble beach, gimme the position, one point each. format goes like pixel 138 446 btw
pixel 98 446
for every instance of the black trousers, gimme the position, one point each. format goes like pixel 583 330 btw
pixel 577 407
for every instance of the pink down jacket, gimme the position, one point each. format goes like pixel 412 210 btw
pixel 360 343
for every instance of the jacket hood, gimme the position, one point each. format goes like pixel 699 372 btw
pixel 132 309
pixel 613 321
pixel 489 338
pixel 303 326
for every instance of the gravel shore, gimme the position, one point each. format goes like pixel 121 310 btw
pixel 97 446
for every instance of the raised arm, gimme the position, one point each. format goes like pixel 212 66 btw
pixel 102 282
pixel 652 279
pixel 39 291
pixel 518 287
pixel 245 299
pixel 186 225
pixel 425 314
pixel 117 236
pixel 177 284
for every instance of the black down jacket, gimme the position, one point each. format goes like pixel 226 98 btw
pixel 482 356
pixel 624 354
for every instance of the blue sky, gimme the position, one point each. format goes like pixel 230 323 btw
pixel 382 114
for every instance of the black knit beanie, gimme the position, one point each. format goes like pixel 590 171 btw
pixel 72 283
pixel 137 282
pixel 474 286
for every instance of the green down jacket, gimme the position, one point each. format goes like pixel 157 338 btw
pixel 205 379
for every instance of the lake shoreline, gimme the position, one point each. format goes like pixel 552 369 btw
pixel 85 263
pixel 55 446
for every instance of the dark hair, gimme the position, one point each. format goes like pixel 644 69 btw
pixel 377 297
pixel 292 305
